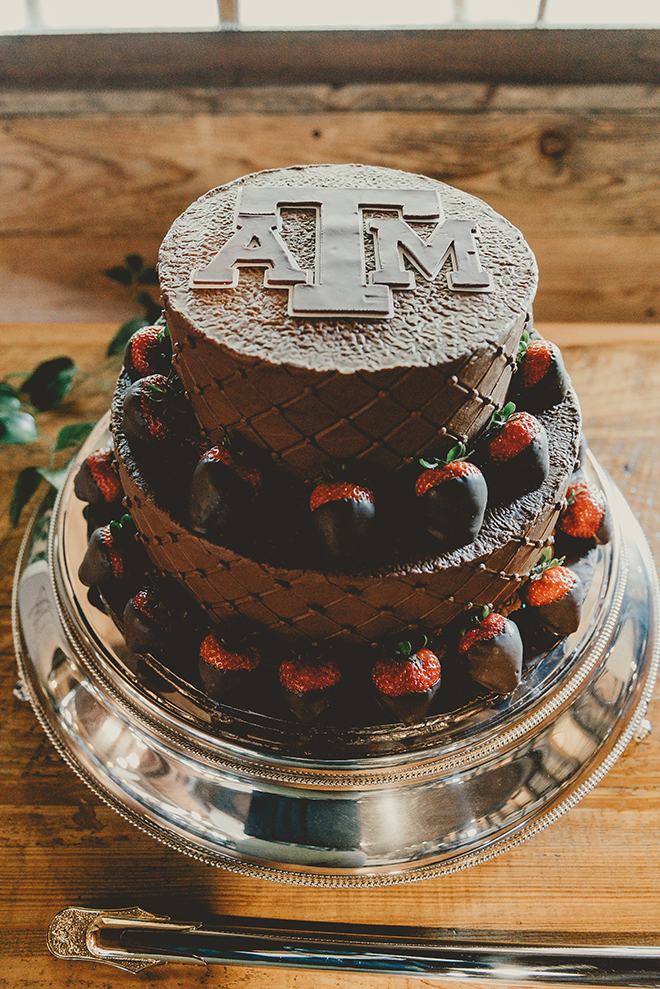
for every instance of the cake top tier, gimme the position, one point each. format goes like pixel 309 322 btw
pixel 346 268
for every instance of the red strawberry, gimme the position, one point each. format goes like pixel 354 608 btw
pixel 537 362
pixel 148 351
pixel 494 652
pixel 148 624
pixel 147 409
pixel 556 594
pixel 514 437
pixel 310 684
pixel 222 667
pixel 517 450
pixel 587 514
pixel 111 551
pixel 221 489
pixel 408 683
pixel 342 515
pixel 97 480
pixel 542 380
pixel 454 497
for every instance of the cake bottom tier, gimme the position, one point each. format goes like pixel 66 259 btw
pixel 362 608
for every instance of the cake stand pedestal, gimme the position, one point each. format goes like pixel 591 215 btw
pixel 314 806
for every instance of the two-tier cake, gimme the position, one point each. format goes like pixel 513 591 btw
pixel 340 459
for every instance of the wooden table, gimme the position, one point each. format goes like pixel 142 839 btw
pixel 596 869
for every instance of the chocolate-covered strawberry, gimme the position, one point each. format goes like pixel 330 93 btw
pixel 222 489
pixel 342 513
pixel 226 664
pixel 453 494
pixel 111 554
pixel 97 481
pixel 555 593
pixel 587 514
pixel 149 626
pixel 493 652
pixel 542 380
pixel 408 681
pixel 310 684
pixel 148 409
pixel 149 351
pixel 517 454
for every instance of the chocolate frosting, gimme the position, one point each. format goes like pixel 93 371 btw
pixel 431 325
pixel 367 604
pixel 313 390
pixel 381 391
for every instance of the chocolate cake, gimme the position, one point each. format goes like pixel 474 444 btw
pixel 347 447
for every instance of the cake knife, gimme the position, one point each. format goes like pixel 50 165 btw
pixel 133 939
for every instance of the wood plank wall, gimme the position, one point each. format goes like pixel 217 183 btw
pixel 86 177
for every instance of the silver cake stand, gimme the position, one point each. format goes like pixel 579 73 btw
pixel 356 807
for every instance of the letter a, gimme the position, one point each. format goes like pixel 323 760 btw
pixel 256 243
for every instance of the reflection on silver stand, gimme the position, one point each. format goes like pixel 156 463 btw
pixel 315 806
pixel 134 940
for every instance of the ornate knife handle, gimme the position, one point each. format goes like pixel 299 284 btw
pixel 133 939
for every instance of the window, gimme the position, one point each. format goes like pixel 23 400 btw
pixel 25 16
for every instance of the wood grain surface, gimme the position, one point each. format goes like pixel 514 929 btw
pixel 169 59
pixel 596 869
pixel 86 177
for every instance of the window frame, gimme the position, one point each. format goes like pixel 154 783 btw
pixel 240 57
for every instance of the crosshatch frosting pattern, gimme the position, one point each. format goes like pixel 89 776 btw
pixel 359 607
pixel 298 396
pixel 313 391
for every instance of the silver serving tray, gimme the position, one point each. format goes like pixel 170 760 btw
pixel 319 806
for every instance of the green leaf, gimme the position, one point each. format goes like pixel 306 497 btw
pixel 158 394
pixel 73 435
pixel 135 262
pixel 499 418
pixel 522 346
pixel 56 478
pixel 8 405
pixel 148 276
pixel 456 453
pixel 120 274
pixel 17 427
pixel 49 383
pixel 124 333
pixel 152 309
pixel 26 484
pixel 8 397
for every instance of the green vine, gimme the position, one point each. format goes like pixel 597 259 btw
pixel 25 396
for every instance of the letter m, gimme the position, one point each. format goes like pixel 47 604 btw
pixel 456 239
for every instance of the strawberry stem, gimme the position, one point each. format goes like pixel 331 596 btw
pixel 156 393
pixel 332 472
pixel 547 562
pixel 522 346
pixel 405 649
pixel 458 452
pixel 501 417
